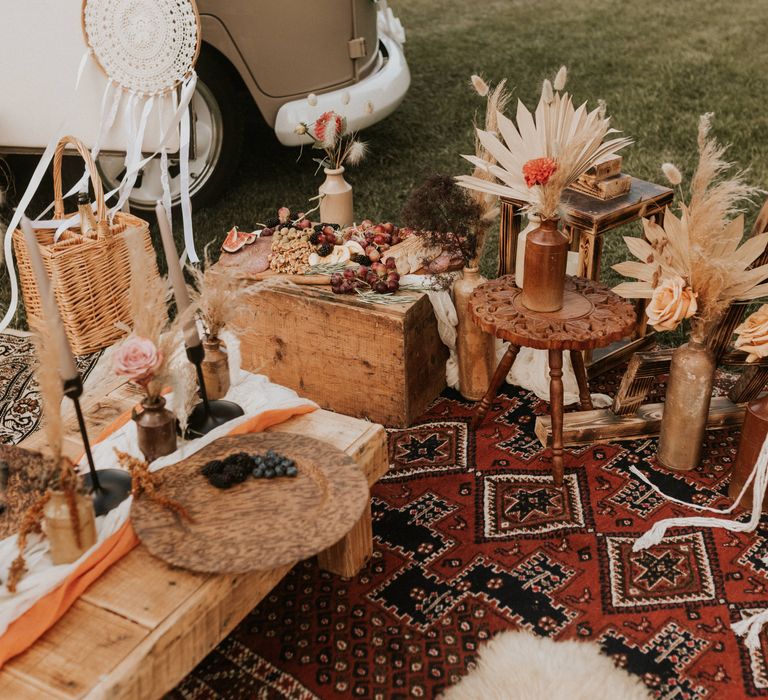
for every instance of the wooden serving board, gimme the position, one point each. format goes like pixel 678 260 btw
pixel 260 524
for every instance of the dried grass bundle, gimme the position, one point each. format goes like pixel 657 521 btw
pixel 702 245
pixel 497 100
pixel 58 473
pixel 218 298
pixel 545 152
pixel 184 387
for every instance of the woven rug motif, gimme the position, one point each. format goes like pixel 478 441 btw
pixel 19 397
pixel 471 538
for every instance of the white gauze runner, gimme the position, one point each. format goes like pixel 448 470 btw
pixel 255 393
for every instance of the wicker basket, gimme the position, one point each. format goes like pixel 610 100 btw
pixel 91 273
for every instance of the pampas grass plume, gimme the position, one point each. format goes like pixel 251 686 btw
pixel 672 173
pixel 546 91
pixel 561 78
pixel 356 153
pixel 480 86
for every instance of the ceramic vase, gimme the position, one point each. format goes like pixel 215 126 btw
pixel 546 257
pixel 686 406
pixel 533 223
pixel 753 434
pixel 475 349
pixel 336 203
pixel 215 369
pixel 156 429
pixel 66 544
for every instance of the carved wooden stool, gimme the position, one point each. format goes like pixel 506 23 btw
pixel 592 317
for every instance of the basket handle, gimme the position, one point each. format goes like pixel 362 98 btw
pixel 98 190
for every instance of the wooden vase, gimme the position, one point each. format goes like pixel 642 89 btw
pixel 156 429
pixel 546 256
pixel 215 369
pixel 475 349
pixel 336 202
pixel 686 406
pixel 753 434
pixel 533 222
pixel 66 546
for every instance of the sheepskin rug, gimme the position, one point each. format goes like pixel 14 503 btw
pixel 521 666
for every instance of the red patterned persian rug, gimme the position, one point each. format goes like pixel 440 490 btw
pixel 471 538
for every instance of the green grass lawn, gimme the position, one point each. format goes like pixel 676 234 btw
pixel 658 64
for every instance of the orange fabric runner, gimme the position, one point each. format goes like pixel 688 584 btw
pixel 23 632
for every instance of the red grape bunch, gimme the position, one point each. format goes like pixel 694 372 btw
pixel 380 277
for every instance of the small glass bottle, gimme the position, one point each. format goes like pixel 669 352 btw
pixel 87 219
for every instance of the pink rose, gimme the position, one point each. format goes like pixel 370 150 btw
pixel 672 301
pixel 753 335
pixel 137 359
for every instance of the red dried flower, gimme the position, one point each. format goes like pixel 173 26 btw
pixel 538 171
pixel 322 122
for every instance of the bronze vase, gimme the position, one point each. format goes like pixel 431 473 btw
pixel 156 429
pixel 475 349
pixel 753 434
pixel 546 256
pixel 686 406
pixel 215 369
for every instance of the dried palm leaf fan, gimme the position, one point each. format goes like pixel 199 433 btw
pixel 148 48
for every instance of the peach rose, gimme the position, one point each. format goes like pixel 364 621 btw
pixel 137 359
pixel 753 335
pixel 672 301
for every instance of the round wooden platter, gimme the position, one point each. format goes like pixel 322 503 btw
pixel 262 523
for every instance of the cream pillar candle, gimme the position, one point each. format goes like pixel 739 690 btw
pixel 67 365
pixel 180 293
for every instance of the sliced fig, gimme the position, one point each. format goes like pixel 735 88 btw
pixel 235 240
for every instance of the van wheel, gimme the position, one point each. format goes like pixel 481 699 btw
pixel 219 122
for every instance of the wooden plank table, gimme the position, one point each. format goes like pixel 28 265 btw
pixel 144 625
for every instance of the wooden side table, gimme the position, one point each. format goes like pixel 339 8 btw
pixel 592 317
pixel 587 220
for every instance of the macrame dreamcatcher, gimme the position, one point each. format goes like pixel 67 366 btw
pixel 147 49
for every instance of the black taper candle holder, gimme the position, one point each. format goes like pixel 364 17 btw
pixel 208 414
pixel 110 486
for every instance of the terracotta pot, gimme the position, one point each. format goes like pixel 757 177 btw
pixel 475 349
pixel 533 223
pixel 686 406
pixel 336 204
pixel 66 546
pixel 156 428
pixel 753 434
pixel 546 256
pixel 215 369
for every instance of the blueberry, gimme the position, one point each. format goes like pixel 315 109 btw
pixel 269 473
pixel 291 471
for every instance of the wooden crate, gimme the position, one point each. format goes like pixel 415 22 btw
pixel 383 363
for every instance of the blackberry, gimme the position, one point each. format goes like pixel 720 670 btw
pixel 362 260
pixel 274 222
pixel 318 228
pixel 213 467
pixel 314 239
pixel 324 250
pixel 220 481
pixel 236 473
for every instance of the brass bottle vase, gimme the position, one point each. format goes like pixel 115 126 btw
pixel 156 429
pixel 546 256
pixel 215 368
pixel 686 406
pixel 753 434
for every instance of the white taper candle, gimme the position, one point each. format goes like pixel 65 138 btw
pixel 67 366
pixel 180 293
